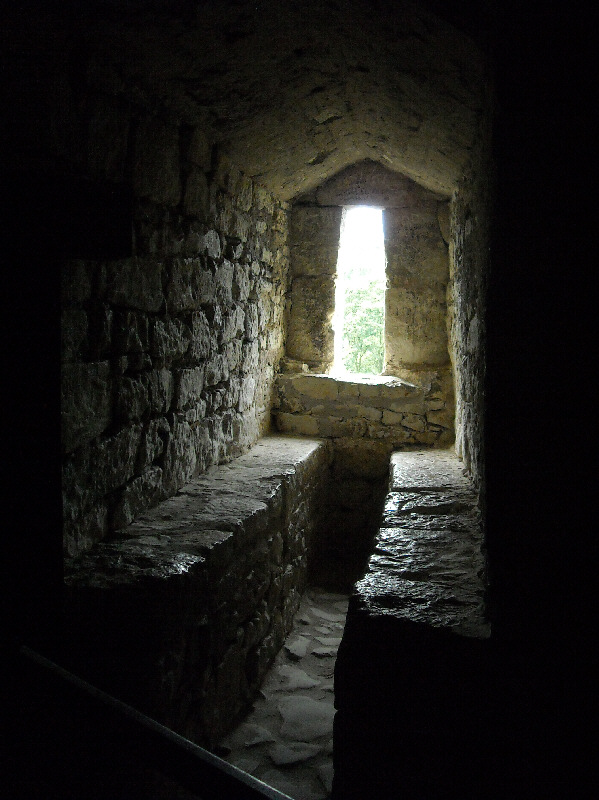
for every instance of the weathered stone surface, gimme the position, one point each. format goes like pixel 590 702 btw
pixel 86 403
pixel 189 387
pixel 170 340
pixel 310 336
pixel 142 492
pixel 226 555
pixel 420 605
pixel 305 719
pixel 135 283
pixel 132 398
pixel 379 408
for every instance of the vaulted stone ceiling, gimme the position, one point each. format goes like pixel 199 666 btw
pixel 295 91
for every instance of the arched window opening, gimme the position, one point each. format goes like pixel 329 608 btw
pixel 359 318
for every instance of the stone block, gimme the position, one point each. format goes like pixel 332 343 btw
pixel 223 281
pixel 317 387
pixel 415 329
pixel 129 333
pixel 201 336
pixel 131 398
pixel 302 424
pixel 135 283
pixel 86 402
pixel 217 370
pixel 233 354
pixel 234 324
pixel 152 441
pixel 391 417
pixel 160 389
pixel 141 493
pixel 170 339
pixel 183 292
pixel 190 383
pixel 81 535
pixel 310 335
pixel 156 162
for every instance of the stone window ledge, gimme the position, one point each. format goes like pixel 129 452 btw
pixel 379 407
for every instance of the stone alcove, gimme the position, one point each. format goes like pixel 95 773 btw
pixel 418 408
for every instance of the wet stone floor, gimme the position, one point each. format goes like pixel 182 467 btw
pixel 287 739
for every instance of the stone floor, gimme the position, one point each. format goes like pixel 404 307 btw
pixel 287 739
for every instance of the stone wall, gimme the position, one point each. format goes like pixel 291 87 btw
pixel 471 210
pixel 168 355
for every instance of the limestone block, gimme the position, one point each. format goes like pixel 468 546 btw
pixel 223 281
pixel 86 402
pixel 211 244
pixel 233 354
pixel 160 390
pixel 199 346
pixel 250 357
pixel 180 458
pixel 244 193
pixel 414 422
pixel 170 339
pixel 131 398
pixel 251 321
pixel 135 283
pixel 310 335
pixel 302 424
pixel 415 329
pixel 156 162
pixel 335 427
pixel 246 393
pixel 152 441
pixel 100 323
pixel 196 199
pixel 81 535
pixel 443 417
pixel 217 370
pixel 183 292
pixel 241 283
pixel 129 333
pixel 73 331
pixel 318 387
pixel 141 493
pixel 391 417
pixel 234 324
pixel 314 239
pixel 190 383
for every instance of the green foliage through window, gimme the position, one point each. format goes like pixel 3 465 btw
pixel 362 348
pixel 360 294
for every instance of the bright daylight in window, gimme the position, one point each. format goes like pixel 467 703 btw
pixel 358 321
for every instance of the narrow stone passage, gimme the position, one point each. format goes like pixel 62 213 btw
pixel 287 739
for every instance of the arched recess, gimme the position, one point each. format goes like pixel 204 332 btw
pixel 416 311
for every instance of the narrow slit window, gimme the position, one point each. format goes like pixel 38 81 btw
pixel 359 317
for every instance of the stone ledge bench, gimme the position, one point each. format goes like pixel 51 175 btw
pixel 410 677
pixel 181 613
